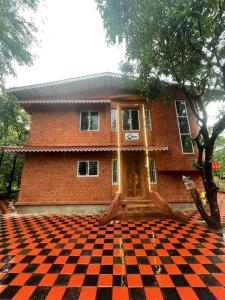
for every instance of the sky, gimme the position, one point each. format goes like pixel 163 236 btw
pixel 72 43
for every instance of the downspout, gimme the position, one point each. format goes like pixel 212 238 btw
pixel 146 149
pixel 119 148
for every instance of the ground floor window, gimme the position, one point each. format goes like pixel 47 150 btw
pixel 152 171
pixel 115 176
pixel 88 168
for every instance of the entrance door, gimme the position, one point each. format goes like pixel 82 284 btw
pixel 133 178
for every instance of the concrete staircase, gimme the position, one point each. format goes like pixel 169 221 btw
pixel 136 207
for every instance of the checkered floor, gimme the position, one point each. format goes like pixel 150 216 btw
pixel 70 257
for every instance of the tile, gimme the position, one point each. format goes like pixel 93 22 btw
pixel 179 280
pixel 209 280
pixel 56 292
pixel 218 292
pixel 171 293
pixel 9 292
pixel 90 280
pixel 120 293
pixel 187 293
pixel 87 293
pixel 204 293
pixel 70 257
pixel 136 293
pixel 134 280
pixel 40 293
pixel 24 293
pixel 73 293
pixel 104 293
pixel 153 293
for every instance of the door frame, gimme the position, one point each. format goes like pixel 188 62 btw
pixel 141 173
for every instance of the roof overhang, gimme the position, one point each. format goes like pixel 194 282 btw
pixel 33 149
pixel 90 85
pixel 65 101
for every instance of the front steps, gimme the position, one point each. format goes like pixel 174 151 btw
pixel 136 207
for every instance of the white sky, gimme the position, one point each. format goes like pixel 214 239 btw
pixel 72 44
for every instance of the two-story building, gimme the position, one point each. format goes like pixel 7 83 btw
pixel 92 136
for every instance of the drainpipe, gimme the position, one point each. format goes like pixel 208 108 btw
pixel 146 149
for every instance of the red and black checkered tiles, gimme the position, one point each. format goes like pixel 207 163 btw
pixel 70 257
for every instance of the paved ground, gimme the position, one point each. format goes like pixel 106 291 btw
pixel 70 257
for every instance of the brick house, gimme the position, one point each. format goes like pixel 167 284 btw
pixel 92 136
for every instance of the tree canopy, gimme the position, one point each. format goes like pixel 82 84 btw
pixel 17 31
pixel 14 126
pixel 181 42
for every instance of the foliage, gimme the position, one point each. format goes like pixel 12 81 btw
pixel 219 153
pixel 181 42
pixel 17 31
pixel 14 126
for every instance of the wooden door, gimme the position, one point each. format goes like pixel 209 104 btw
pixel 133 178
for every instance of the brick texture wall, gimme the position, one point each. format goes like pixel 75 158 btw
pixel 171 187
pixel 51 178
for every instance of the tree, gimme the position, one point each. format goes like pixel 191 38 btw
pixel 219 154
pixel 14 126
pixel 16 34
pixel 184 42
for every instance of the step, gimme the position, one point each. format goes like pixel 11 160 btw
pixel 134 214
pixel 139 206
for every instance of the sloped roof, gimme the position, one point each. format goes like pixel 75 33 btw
pixel 74 86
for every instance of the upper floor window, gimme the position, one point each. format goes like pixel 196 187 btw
pixel 114 119
pixel 183 125
pixel 130 119
pixel 148 119
pixel 89 120
pixel 88 168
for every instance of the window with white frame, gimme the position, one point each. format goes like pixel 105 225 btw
pixel 89 120
pixel 183 125
pixel 148 120
pixel 152 171
pixel 114 119
pixel 115 175
pixel 88 168
pixel 130 119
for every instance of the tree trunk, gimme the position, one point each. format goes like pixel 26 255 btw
pixel 1 157
pixel 9 188
pixel 211 189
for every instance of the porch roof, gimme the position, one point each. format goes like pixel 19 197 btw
pixel 65 101
pixel 24 149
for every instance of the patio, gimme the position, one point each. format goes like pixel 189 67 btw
pixel 71 257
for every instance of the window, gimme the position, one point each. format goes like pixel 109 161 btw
pixel 148 119
pixel 88 168
pixel 113 119
pixel 115 178
pixel 89 121
pixel 152 171
pixel 183 125
pixel 130 119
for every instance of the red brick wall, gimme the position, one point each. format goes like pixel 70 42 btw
pixel 49 178
pixel 60 126
pixel 171 187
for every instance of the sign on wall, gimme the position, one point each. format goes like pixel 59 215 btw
pixel 132 136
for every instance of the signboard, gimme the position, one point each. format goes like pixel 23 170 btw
pixel 132 136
